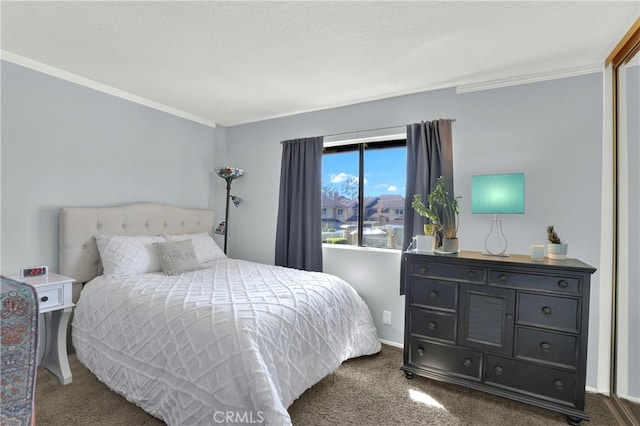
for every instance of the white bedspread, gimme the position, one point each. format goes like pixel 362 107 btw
pixel 234 343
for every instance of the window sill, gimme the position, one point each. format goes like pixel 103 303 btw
pixel 358 248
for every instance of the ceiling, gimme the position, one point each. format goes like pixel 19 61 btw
pixel 238 62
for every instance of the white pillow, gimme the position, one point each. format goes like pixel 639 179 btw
pixel 206 249
pixel 128 255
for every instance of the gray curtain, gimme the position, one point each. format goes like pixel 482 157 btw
pixel 429 156
pixel 298 233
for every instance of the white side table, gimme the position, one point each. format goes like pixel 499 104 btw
pixel 54 300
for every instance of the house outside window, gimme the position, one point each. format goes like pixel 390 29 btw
pixel 365 184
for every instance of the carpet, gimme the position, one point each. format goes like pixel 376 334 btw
pixel 370 390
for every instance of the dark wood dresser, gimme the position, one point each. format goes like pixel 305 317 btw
pixel 504 325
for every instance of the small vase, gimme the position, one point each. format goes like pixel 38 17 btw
pixel 450 245
pixel 425 243
pixel 557 251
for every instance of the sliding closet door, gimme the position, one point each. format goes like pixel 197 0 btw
pixel 625 369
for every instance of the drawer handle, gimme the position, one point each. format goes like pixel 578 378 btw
pixel 468 362
pixel 559 384
pixel 545 346
pixel 424 270
pixel 432 325
pixel 420 352
pixel 433 294
pixel 546 310
pixel 563 284
pixel 499 370
pixel 44 298
pixel 509 317
pixel 471 274
pixel 502 278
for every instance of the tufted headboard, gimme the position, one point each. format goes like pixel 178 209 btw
pixel 79 257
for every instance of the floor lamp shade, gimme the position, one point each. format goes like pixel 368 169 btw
pixel 497 194
pixel 228 174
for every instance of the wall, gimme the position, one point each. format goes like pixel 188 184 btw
pixel 67 145
pixel 64 144
pixel 551 131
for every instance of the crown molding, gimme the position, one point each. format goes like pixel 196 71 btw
pixel 82 81
pixel 529 78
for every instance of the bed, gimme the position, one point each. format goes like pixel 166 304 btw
pixel 228 341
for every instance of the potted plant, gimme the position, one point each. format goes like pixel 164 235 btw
pixel 443 212
pixel 556 248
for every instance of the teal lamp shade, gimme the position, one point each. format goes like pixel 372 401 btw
pixel 497 194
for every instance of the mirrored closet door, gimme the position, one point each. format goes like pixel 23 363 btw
pixel 625 348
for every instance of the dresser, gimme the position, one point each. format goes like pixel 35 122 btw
pixel 509 326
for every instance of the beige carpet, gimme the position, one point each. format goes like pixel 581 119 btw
pixel 364 391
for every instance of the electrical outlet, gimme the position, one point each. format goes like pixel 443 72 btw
pixel 386 317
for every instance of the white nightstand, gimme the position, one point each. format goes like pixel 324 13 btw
pixel 54 300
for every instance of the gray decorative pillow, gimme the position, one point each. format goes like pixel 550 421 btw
pixel 177 257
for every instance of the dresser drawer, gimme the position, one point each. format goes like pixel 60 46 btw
pixel 436 325
pixel 525 378
pixel 547 346
pixel 434 294
pixel 50 297
pixel 448 272
pixel 568 285
pixel 560 313
pixel 445 358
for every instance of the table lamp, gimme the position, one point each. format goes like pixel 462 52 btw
pixel 497 194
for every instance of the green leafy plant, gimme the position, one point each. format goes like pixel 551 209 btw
pixel 552 235
pixel 441 208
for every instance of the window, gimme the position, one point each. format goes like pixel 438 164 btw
pixel 364 183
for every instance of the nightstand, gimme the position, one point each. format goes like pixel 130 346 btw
pixel 54 301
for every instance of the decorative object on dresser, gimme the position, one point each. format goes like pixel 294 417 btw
pixel 54 301
pixel 507 326
pixel 228 174
pixel 497 194
pixel 443 212
pixel 556 248
pixel 19 353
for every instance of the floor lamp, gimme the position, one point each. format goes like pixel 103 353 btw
pixel 228 174
pixel 497 194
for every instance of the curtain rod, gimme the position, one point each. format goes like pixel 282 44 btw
pixel 453 120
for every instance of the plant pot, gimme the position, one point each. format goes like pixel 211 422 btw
pixel 450 245
pixel 425 243
pixel 557 251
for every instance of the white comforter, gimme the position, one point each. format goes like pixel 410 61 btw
pixel 237 342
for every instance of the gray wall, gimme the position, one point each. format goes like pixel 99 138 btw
pixel 551 131
pixel 67 145
pixel 64 144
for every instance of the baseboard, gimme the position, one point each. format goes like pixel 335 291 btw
pixel 390 343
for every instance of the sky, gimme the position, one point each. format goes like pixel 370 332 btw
pixel 384 172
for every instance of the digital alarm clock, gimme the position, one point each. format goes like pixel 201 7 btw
pixel 34 271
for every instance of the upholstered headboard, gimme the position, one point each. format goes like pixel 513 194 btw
pixel 79 257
